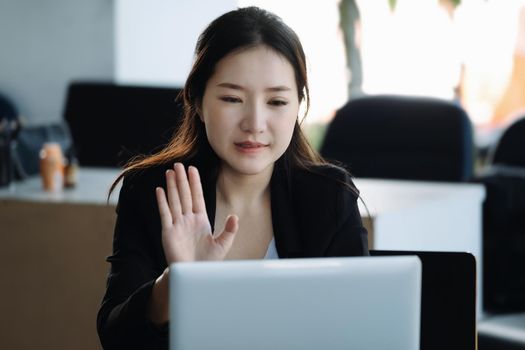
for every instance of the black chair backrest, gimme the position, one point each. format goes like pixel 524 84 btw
pixel 402 138
pixel 504 223
pixel 112 123
pixel 448 299
pixel 510 149
pixel 7 108
pixel 8 132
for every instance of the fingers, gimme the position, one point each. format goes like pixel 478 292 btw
pixel 232 224
pixel 183 187
pixel 196 190
pixel 185 193
pixel 164 210
pixel 230 229
pixel 173 194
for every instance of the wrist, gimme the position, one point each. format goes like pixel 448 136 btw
pixel 159 300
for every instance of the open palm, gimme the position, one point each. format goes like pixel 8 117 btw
pixel 186 230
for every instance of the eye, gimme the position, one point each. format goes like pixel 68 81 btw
pixel 278 103
pixel 230 99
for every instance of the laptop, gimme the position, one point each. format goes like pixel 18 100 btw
pixel 364 303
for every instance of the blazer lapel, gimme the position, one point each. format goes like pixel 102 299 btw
pixel 287 240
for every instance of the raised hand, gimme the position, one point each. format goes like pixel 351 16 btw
pixel 186 231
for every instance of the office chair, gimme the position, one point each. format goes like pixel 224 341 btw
pixel 110 123
pixel 504 222
pixel 504 243
pixel 398 137
pixel 8 135
pixel 448 298
pixel 7 108
pixel 509 149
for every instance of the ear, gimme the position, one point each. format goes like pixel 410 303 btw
pixel 198 109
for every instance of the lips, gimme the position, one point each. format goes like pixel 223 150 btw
pixel 250 145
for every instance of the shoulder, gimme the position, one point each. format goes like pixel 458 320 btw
pixel 138 179
pixel 323 191
pixel 138 187
pixel 324 180
pixel 324 206
pixel 141 183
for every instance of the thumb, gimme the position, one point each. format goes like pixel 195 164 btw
pixel 228 234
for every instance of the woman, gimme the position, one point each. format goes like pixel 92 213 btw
pixel 238 180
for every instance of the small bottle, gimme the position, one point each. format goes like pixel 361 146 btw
pixel 52 167
pixel 70 169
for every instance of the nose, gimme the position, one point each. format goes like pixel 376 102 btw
pixel 254 120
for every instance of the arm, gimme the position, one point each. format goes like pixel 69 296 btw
pixel 122 320
pixel 351 237
pixel 136 300
pixel 186 231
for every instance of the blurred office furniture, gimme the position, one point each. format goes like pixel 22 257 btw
pixel 112 123
pixel 9 128
pixel 448 299
pixel 510 148
pixel 424 216
pixel 64 238
pixel 504 243
pixel 502 332
pixel 504 222
pixel 53 248
pixel 398 137
pixel 8 109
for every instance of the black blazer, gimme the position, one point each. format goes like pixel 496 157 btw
pixel 314 214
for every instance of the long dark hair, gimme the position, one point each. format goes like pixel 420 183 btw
pixel 236 30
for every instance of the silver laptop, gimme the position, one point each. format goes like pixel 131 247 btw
pixel 365 303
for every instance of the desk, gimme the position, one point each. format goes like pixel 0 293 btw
pixel 52 252
pixel 410 215
pixel 53 246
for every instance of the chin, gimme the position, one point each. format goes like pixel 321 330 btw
pixel 250 168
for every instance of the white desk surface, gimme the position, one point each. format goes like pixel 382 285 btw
pixel 92 188
pixel 382 196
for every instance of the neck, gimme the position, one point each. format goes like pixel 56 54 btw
pixel 240 191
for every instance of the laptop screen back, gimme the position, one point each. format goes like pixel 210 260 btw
pixel 329 303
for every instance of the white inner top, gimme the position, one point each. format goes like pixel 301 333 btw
pixel 271 253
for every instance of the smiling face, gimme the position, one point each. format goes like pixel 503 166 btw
pixel 249 109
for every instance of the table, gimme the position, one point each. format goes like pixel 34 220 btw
pixel 53 246
pixel 52 252
pixel 427 216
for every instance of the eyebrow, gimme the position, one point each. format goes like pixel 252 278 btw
pixel 239 87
